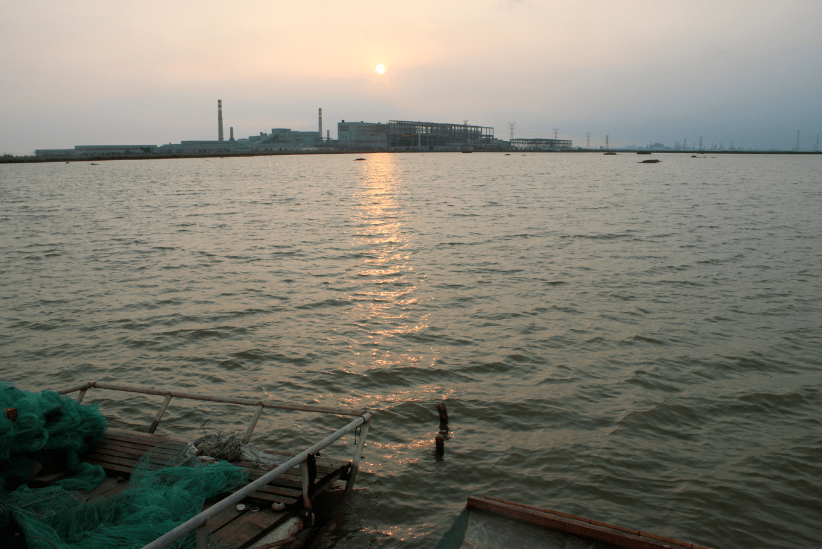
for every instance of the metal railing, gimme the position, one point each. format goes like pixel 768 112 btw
pixel 199 523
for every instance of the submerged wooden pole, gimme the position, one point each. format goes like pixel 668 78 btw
pixel 443 416
pixel 439 440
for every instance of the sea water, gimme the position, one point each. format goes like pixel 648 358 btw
pixel 634 343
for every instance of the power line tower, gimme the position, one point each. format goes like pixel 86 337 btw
pixel 700 143
pixel 606 141
pixel 796 148
pixel 816 147
pixel 512 124
pixel 588 143
pixel 555 133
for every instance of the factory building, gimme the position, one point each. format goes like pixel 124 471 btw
pixel 362 135
pixel 406 135
pixel 283 139
pixel 541 144
pixel 99 150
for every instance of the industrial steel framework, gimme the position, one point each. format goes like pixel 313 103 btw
pixel 406 134
pixel 541 144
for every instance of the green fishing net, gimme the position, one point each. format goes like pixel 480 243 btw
pixel 168 485
pixel 41 433
pixel 155 501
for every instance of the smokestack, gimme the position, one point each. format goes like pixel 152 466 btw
pixel 321 126
pixel 219 120
pixel 231 132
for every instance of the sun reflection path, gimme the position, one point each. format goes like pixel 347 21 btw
pixel 385 282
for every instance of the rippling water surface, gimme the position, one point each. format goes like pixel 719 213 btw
pixel 635 343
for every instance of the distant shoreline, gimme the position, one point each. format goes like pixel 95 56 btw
pixel 99 158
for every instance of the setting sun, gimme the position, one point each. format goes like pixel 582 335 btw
pixel 380 68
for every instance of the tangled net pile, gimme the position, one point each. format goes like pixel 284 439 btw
pixel 48 434
pixel 168 486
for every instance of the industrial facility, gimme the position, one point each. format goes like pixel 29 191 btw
pixel 396 135
pixel 541 144
pixel 405 135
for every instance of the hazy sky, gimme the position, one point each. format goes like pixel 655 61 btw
pixel 149 72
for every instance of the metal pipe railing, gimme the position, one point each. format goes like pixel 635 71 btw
pixel 240 401
pixel 202 519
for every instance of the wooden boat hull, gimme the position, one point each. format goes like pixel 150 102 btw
pixel 498 523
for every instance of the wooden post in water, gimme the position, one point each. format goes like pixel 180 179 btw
pixel 443 416
pixel 439 452
pixel 439 440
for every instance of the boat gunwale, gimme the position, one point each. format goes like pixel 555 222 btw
pixel 572 524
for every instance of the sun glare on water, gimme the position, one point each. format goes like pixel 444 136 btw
pixel 380 68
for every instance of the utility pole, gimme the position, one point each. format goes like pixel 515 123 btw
pixel 588 144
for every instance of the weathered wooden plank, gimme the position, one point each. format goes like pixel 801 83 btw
pixel 122 434
pixel 222 518
pixel 248 527
pixel 279 491
pixel 136 441
pixel 112 455
pixel 272 498
pixel 125 462
pixel 101 491
pixel 252 468
pixel 172 456
pixel 136 447
pixel 111 466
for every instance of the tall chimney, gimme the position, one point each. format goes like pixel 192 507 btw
pixel 321 127
pixel 231 132
pixel 219 120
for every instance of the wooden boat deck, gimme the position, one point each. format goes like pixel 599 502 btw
pixel 294 479
pixel 120 451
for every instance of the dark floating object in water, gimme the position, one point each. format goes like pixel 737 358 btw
pixel 358 159
pixel 93 164
pixel 654 161
pixel 609 154
pixel 506 154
